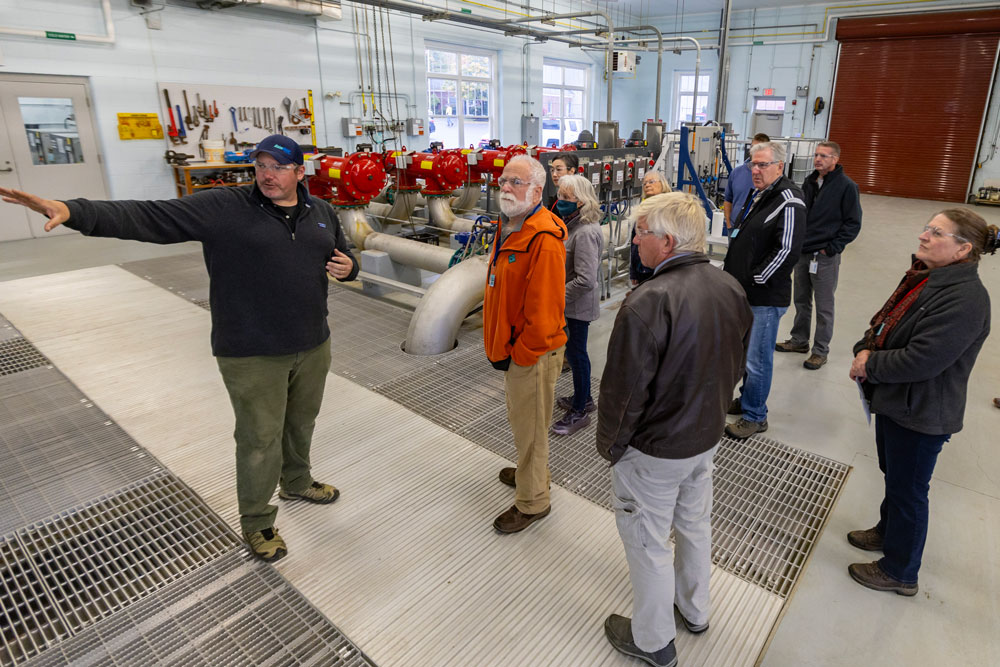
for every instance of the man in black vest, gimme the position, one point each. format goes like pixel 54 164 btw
pixel 833 221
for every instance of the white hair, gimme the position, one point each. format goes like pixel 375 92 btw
pixel 777 150
pixel 678 214
pixel 583 192
pixel 537 177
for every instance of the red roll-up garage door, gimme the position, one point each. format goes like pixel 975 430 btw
pixel 909 100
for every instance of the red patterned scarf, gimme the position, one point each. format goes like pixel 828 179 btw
pixel 895 308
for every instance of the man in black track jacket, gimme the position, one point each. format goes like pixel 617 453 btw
pixel 764 244
pixel 268 249
pixel 833 221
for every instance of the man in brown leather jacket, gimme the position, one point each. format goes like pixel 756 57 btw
pixel 677 349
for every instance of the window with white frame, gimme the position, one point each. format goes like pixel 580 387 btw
pixel 564 101
pixel 684 96
pixel 460 96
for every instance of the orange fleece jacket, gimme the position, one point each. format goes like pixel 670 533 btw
pixel 526 291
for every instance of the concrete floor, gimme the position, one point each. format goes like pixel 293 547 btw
pixel 955 620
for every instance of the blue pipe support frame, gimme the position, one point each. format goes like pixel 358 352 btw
pixel 684 163
pixel 725 158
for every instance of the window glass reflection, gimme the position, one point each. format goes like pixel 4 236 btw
pixel 50 125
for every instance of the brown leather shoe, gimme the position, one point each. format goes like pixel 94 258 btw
pixel 791 346
pixel 507 476
pixel 869 540
pixel 871 575
pixel 814 362
pixel 996 402
pixel 736 407
pixel 514 520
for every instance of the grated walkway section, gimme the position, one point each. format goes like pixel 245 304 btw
pixel 98 541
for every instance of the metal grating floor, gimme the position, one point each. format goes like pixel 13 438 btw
pixel 233 611
pixel 184 275
pixel 7 330
pixel 17 354
pixel 771 500
pixel 58 449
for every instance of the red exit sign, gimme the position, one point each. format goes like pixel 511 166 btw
pixel 769 91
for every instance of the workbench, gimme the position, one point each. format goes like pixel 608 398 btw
pixel 183 175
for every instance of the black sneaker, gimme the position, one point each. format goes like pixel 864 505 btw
pixel 566 403
pixel 619 632
pixel 571 422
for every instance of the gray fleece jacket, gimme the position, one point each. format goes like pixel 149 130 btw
pixel 583 257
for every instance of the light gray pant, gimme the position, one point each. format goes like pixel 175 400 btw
pixel 820 285
pixel 651 495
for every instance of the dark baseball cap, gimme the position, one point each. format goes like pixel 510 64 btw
pixel 281 148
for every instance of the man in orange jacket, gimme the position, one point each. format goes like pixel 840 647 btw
pixel 523 331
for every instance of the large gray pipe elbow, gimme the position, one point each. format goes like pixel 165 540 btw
pixel 434 326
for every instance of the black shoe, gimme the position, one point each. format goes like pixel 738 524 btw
pixel 691 627
pixel 736 407
pixel 566 403
pixel 619 632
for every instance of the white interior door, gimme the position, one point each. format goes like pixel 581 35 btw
pixel 13 219
pixel 52 140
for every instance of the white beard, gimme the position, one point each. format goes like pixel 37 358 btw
pixel 512 207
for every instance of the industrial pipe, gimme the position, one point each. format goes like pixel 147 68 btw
pixel 467 197
pixel 409 252
pixel 440 215
pixel 435 324
pixel 659 58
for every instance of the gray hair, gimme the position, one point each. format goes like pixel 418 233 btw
pixel 537 177
pixel 678 214
pixel 662 178
pixel 583 192
pixel 777 150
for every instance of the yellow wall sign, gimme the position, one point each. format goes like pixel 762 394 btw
pixel 139 126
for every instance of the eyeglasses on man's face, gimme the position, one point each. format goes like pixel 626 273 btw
pixel 645 232
pixel 939 233
pixel 512 182
pixel 274 168
pixel 821 156
pixel 763 165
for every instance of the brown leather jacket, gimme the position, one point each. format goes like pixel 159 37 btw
pixel 676 352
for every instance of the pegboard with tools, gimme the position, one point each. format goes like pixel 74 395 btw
pixel 238 116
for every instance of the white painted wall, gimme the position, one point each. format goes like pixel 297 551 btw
pixel 239 49
pixel 236 48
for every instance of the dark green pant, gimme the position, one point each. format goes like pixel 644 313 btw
pixel 276 400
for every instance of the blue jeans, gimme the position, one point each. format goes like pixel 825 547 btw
pixel 907 460
pixel 760 362
pixel 579 362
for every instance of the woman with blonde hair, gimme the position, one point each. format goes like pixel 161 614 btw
pixel 653 183
pixel 578 207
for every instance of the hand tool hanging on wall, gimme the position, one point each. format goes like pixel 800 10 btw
pixel 280 118
pixel 192 121
pixel 180 125
pixel 215 109
pixel 172 128
pixel 232 112
pixel 232 140
pixel 203 137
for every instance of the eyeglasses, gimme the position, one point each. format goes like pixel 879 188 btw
pixel 558 169
pixel 937 232
pixel 276 168
pixel 513 182
pixel 763 165
pixel 645 232
pixel 824 157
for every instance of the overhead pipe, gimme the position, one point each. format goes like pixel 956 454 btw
pixel 439 315
pixel 720 95
pixel 659 58
pixel 107 38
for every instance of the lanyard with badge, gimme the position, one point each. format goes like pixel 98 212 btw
pixel 814 263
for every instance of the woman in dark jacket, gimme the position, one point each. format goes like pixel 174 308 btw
pixel 914 364
pixel 653 183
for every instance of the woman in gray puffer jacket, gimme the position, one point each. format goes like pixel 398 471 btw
pixel 579 209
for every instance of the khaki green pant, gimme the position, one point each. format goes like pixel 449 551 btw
pixel 276 400
pixel 530 392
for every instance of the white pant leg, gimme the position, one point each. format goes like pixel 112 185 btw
pixel 693 540
pixel 646 490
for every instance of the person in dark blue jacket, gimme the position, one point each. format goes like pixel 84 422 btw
pixel 914 364
pixel 268 248
pixel 833 220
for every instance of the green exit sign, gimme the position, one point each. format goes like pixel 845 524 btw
pixel 49 34
pixel 758 43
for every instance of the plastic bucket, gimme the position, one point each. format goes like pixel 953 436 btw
pixel 214 150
